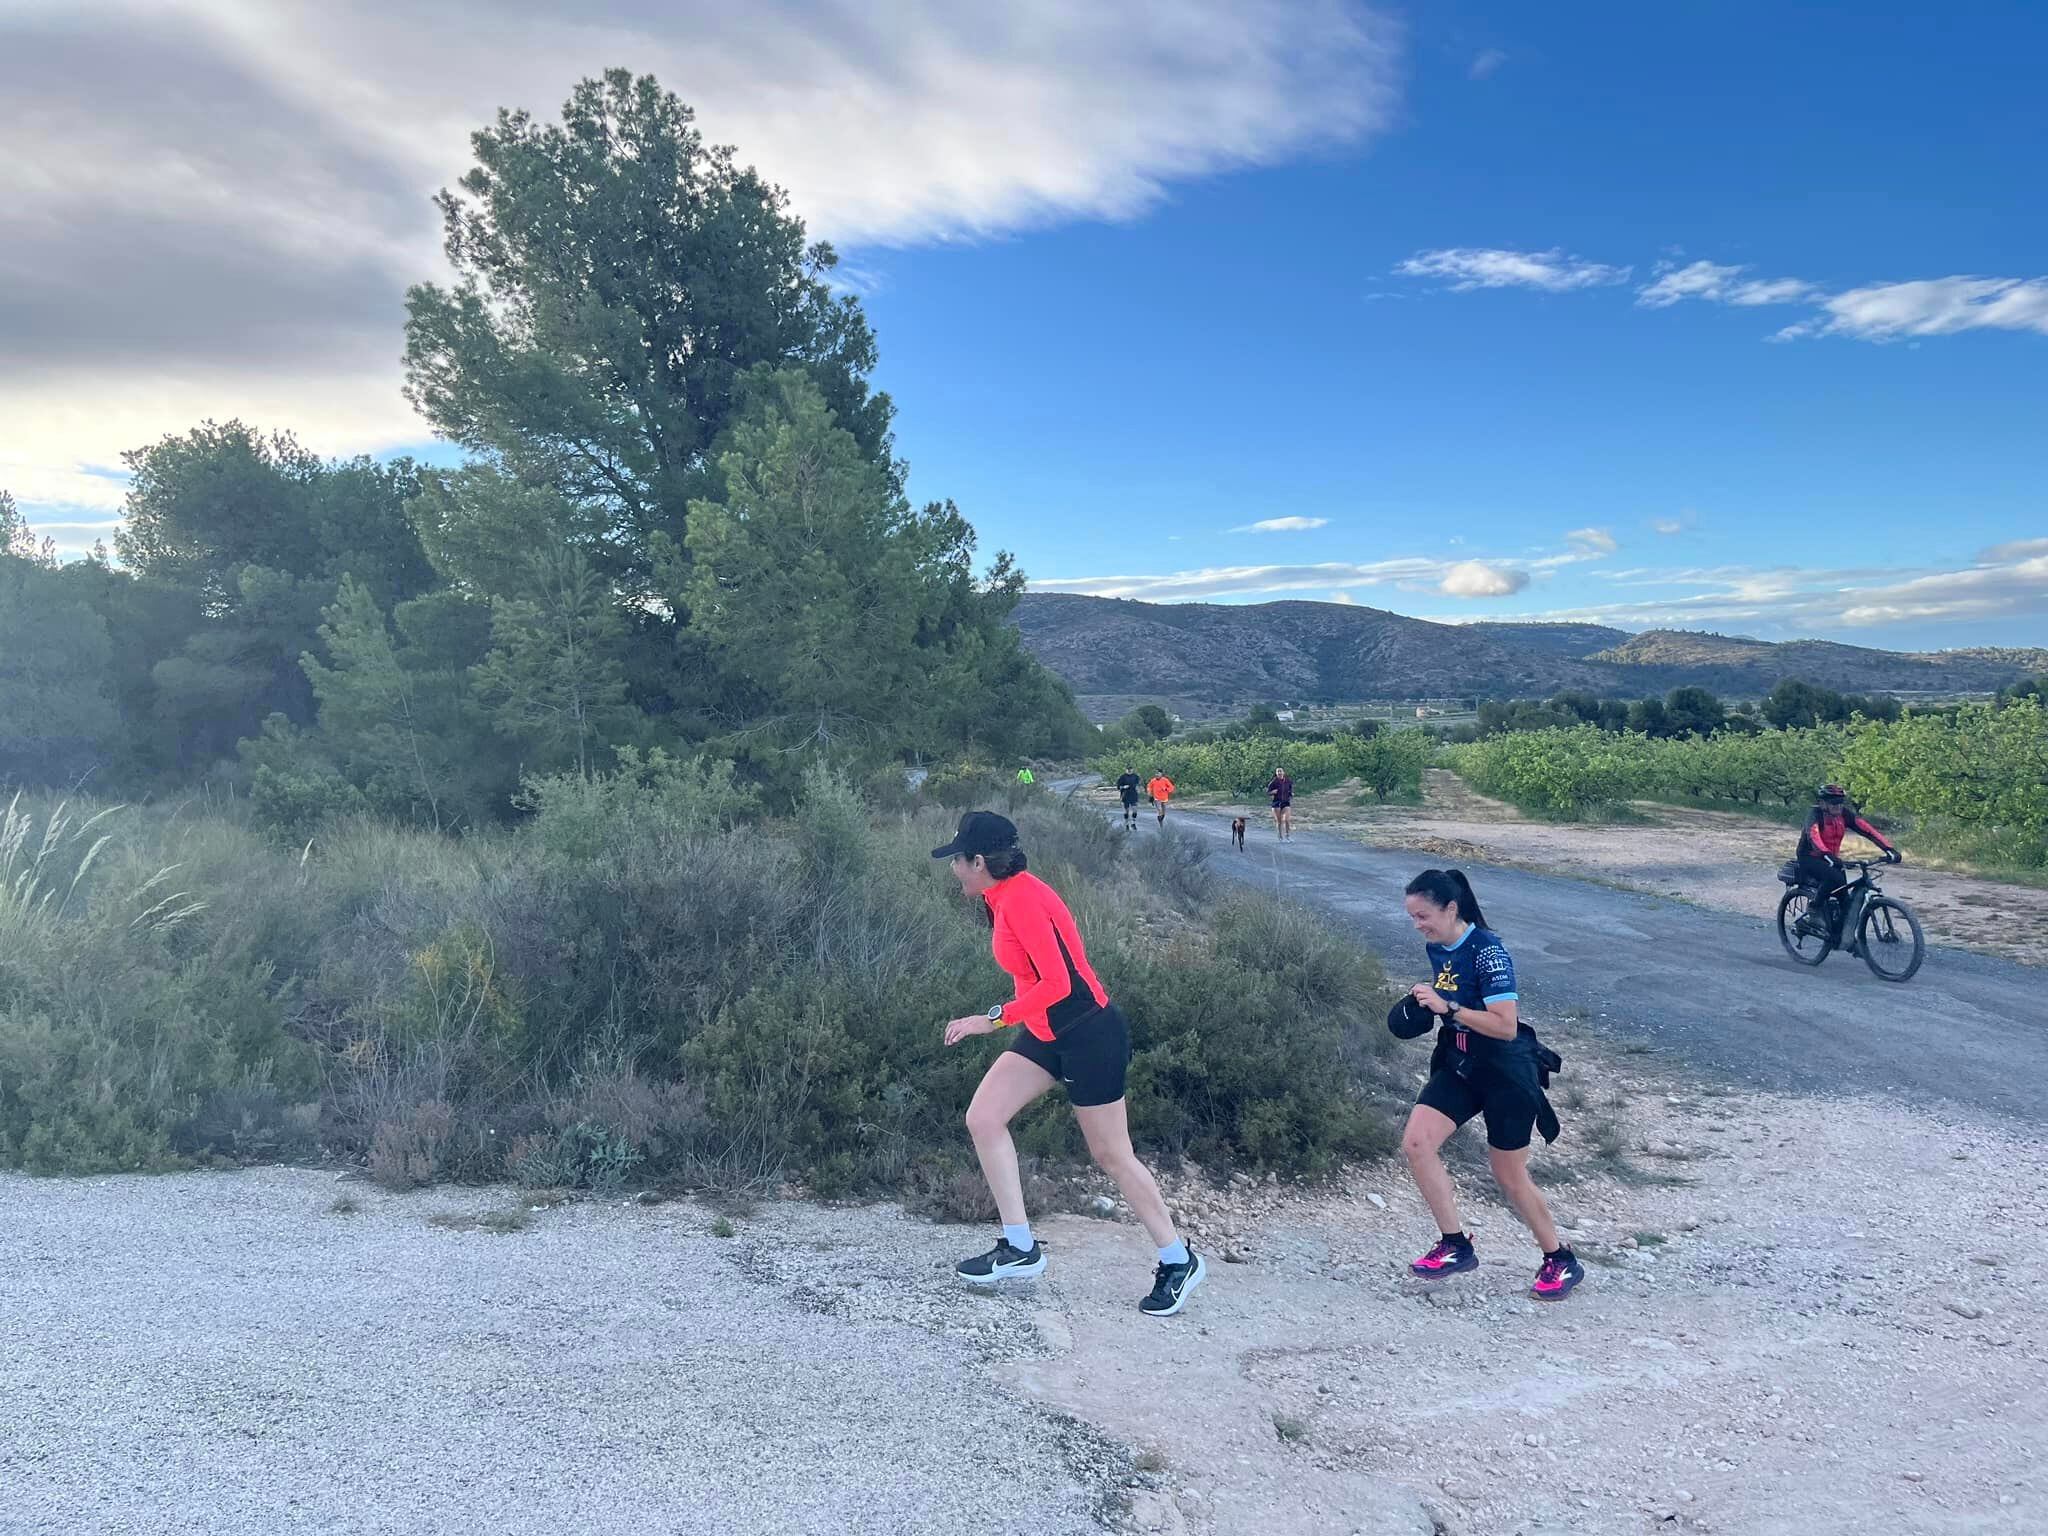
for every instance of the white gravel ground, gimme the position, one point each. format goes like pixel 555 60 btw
pixel 220 1354
pixel 1833 1325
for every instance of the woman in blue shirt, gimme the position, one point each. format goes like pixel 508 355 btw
pixel 1484 1064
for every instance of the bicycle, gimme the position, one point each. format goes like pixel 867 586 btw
pixel 1885 931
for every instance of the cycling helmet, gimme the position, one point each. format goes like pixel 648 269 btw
pixel 1831 792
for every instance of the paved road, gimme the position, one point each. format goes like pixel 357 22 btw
pixel 1712 989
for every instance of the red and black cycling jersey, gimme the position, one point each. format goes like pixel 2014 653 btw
pixel 1825 830
pixel 1037 943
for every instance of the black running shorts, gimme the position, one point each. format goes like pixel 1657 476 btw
pixel 1089 1057
pixel 1509 1106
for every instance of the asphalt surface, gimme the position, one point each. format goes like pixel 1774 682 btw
pixel 1713 990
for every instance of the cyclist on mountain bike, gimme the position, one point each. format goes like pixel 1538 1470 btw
pixel 1820 853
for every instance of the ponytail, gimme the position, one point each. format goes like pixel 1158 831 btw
pixel 1449 888
pixel 1002 864
pixel 1005 862
pixel 1468 904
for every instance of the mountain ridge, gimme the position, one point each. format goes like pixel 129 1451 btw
pixel 1218 657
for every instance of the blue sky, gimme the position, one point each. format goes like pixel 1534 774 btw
pixel 1729 316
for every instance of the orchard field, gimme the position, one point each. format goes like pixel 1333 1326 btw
pixel 1978 774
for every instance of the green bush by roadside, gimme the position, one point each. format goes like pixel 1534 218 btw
pixel 1972 780
pixel 641 981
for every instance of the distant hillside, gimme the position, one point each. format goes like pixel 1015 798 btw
pixel 1210 658
pixel 1573 641
pixel 1734 664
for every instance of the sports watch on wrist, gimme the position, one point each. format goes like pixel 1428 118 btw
pixel 1451 1010
pixel 995 1014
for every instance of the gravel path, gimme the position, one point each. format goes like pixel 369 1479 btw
pixel 1800 1317
pixel 220 1354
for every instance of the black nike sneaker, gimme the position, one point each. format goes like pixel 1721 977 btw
pixel 1171 1284
pixel 1002 1262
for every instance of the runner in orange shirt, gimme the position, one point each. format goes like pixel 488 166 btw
pixel 1066 1031
pixel 1161 791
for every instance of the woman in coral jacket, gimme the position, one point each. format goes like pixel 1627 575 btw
pixel 1063 1029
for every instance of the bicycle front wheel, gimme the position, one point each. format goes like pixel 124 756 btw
pixel 1889 937
pixel 1795 917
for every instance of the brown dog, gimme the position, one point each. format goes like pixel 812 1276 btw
pixel 1237 832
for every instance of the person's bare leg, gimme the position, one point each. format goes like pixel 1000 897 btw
pixel 1107 1130
pixel 1428 1129
pixel 1010 1083
pixel 1511 1172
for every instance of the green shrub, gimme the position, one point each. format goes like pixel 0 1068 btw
pixel 650 798
pixel 657 993
pixel 1263 1045
pixel 1975 776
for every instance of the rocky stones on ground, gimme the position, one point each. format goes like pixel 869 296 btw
pixel 1157 1512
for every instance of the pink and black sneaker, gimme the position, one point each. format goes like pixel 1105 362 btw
pixel 1560 1272
pixel 1451 1256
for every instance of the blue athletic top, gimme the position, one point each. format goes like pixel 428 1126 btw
pixel 1474 971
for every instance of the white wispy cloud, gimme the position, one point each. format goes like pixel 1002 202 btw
pixel 1720 285
pixel 1486 63
pixel 1249 580
pixel 1670 525
pixel 1582 545
pixel 1284 525
pixel 1479 578
pixel 214 206
pixel 2017 549
pixel 1938 306
pixel 1464 578
pixel 1467 268
pixel 2006 582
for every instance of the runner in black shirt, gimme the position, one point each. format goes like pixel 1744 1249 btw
pixel 1127 788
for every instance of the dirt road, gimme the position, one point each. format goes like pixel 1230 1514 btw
pixel 1709 988
pixel 1710 858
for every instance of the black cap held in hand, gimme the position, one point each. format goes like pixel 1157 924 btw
pixel 982 832
pixel 1408 1019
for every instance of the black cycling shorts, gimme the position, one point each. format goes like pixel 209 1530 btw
pixel 1089 1057
pixel 1509 1105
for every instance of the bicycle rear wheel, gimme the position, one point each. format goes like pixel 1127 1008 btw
pixel 1806 948
pixel 1889 937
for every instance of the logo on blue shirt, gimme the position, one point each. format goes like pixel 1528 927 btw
pixel 1475 971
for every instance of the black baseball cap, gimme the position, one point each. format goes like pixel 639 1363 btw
pixel 981 832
